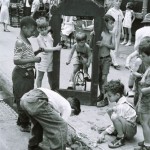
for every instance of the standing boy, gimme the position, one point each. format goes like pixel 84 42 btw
pixel 123 116
pixel 105 46
pixel 49 112
pixel 144 98
pixel 23 74
pixel 117 14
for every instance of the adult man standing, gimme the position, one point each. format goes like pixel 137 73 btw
pixel 48 112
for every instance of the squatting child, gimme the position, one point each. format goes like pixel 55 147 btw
pixel 105 45
pixel 83 57
pixel 123 116
pixel 23 74
pixel 45 41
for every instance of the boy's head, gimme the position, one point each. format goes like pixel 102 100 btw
pixel 144 50
pixel 42 26
pixel 28 26
pixel 75 105
pixel 117 3
pixel 81 38
pixel 130 5
pixel 109 22
pixel 114 90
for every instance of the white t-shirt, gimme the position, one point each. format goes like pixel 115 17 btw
pixel 35 5
pixel 59 103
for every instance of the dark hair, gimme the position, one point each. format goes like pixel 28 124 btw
pixel 81 36
pixel 144 46
pixel 27 21
pixel 75 104
pixel 130 5
pixel 106 19
pixel 115 86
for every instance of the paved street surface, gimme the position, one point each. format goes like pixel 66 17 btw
pixel 86 124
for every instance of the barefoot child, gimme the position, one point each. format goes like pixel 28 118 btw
pixel 107 44
pixel 45 42
pixel 123 115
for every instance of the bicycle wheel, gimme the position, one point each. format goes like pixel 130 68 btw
pixel 79 81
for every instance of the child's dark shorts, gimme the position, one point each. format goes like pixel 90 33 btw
pixel 104 65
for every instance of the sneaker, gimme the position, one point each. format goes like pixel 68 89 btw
pixel 118 142
pixel 25 128
pixel 117 67
pixel 100 97
pixel 70 87
pixel 103 103
pixel 142 148
pixel 87 79
pixel 36 147
pixel 128 44
pixel 141 143
pixel 124 42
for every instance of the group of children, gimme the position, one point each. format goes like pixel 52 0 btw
pixel 123 114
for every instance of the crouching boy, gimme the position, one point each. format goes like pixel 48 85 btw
pixel 49 112
pixel 123 115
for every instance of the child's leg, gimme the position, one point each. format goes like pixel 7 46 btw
pixel 130 35
pixel 125 36
pixel 50 78
pixel 39 79
pixel 145 122
pixel 85 68
pixel 75 69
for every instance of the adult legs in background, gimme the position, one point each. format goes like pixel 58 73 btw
pixel 39 79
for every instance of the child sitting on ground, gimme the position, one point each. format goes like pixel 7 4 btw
pixel 45 41
pixel 83 57
pixel 122 115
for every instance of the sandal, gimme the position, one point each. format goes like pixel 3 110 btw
pixel 118 142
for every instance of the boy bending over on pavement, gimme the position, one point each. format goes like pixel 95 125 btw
pixel 122 115
pixel 48 112
pixel 105 45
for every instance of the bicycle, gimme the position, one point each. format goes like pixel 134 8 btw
pixel 79 82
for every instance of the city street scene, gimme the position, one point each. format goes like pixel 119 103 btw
pixel 74 75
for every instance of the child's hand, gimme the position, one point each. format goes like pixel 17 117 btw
pixel 59 47
pixel 37 59
pixel 99 43
pixel 67 63
pixel 88 64
pixel 101 138
pixel 92 33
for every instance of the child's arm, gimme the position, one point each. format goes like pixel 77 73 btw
pixel 89 57
pixel 133 16
pixel 48 49
pixel 109 46
pixel 128 59
pixel 145 90
pixel 71 54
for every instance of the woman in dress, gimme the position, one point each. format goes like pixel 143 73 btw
pixel 4 14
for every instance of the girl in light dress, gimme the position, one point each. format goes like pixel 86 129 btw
pixel 4 14
pixel 45 41
pixel 127 23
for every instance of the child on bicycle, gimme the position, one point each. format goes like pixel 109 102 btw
pixel 83 57
pixel 105 45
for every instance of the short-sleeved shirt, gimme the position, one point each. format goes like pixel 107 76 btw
pixel 23 51
pixel 59 103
